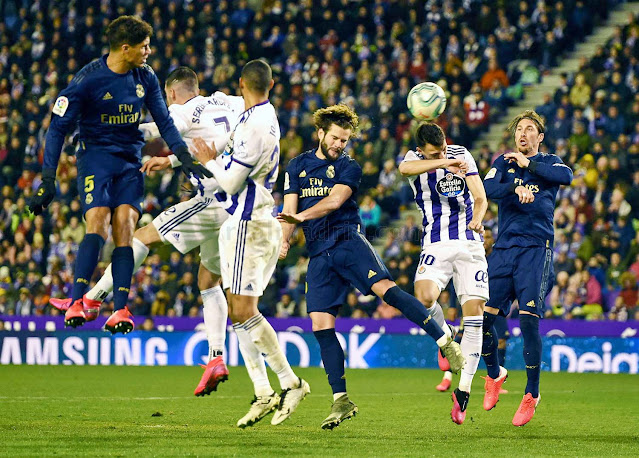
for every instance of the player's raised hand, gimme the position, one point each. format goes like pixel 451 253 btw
pixel 45 193
pixel 526 196
pixel 291 218
pixel 284 250
pixel 202 151
pixel 476 226
pixel 521 160
pixel 155 164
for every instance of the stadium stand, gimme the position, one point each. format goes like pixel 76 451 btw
pixel 368 55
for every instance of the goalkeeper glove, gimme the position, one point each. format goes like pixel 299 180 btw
pixel 45 193
pixel 191 166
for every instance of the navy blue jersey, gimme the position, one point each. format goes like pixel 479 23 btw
pixel 526 225
pixel 312 179
pixel 108 106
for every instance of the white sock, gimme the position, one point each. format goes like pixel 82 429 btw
pixel 254 362
pixel 438 315
pixel 265 339
pixel 338 395
pixel 215 313
pixel 448 375
pixel 105 285
pixel 471 349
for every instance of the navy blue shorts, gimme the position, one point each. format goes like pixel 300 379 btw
pixel 105 180
pixel 525 274
pixel 332 272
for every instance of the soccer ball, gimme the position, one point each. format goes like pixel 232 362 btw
pixel 426 101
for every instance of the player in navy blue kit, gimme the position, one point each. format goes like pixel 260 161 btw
pixel 320 187
pixel 525 183
pixel 106 97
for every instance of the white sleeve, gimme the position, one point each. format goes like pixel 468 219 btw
pixel 472 165
pixel 411 156
pixel 233 179
pixel 248 145
pixel 149 130
pixel 181 118
pixel 182 123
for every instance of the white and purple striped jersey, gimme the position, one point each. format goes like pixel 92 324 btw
pixel 444 199
pixel 251 159
pixel 211 118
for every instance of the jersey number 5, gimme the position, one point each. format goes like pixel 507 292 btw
pixel 89 185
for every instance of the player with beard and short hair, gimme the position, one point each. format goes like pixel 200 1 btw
pixel 320 189
pixel 525 184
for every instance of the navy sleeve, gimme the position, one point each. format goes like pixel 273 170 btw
pixel 350 176
pixel 291 178
pixel 495 189
pixel 555 172
pixel 160 113
pixel 65 113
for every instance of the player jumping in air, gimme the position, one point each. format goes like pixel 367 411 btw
pixel 250 241
pixel 525 183
pixel 106 96
pixel 190 224
pixel 451 197
pixel 320 187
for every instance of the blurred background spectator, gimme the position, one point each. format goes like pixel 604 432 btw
pixel 367 54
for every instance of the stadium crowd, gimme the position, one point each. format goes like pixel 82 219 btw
pixel 365 54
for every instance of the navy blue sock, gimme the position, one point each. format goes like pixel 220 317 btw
pixel 413 310
pixel 122 266
pixel 333 358
pixel 529 325
pixel 501 351
pixel 85 262
pixel 489 346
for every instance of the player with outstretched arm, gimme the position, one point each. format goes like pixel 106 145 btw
pixel 106 97
pixel 250 241
pixel 320 188
pixel 190 224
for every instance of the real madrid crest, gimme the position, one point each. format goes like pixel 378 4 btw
pixel 139 90
pixel 330 171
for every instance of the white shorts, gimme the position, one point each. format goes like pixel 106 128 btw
pixel 194 223
pixel 249 251
pixel 463 261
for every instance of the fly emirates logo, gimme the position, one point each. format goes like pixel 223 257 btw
pixel 316 188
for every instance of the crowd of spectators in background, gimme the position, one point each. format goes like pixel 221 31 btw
pixel 367 54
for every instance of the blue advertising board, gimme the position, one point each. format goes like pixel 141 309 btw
pixel 363 350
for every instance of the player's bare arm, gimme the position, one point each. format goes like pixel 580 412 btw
pixel 339 194
pixel 476 188
pixel 290 208
pixel 155 164
pixel 412 168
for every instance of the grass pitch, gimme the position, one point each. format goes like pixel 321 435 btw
pixel 72 410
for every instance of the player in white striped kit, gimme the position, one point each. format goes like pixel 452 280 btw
pixel 250 241
pixel 195 222
pixel 451 197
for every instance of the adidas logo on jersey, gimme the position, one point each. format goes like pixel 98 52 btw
pixel 249 287
pixel 371 273
pixel 176 235
pixel 511 170
pixel 107 96
pixel 530 303
pixel 302 174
